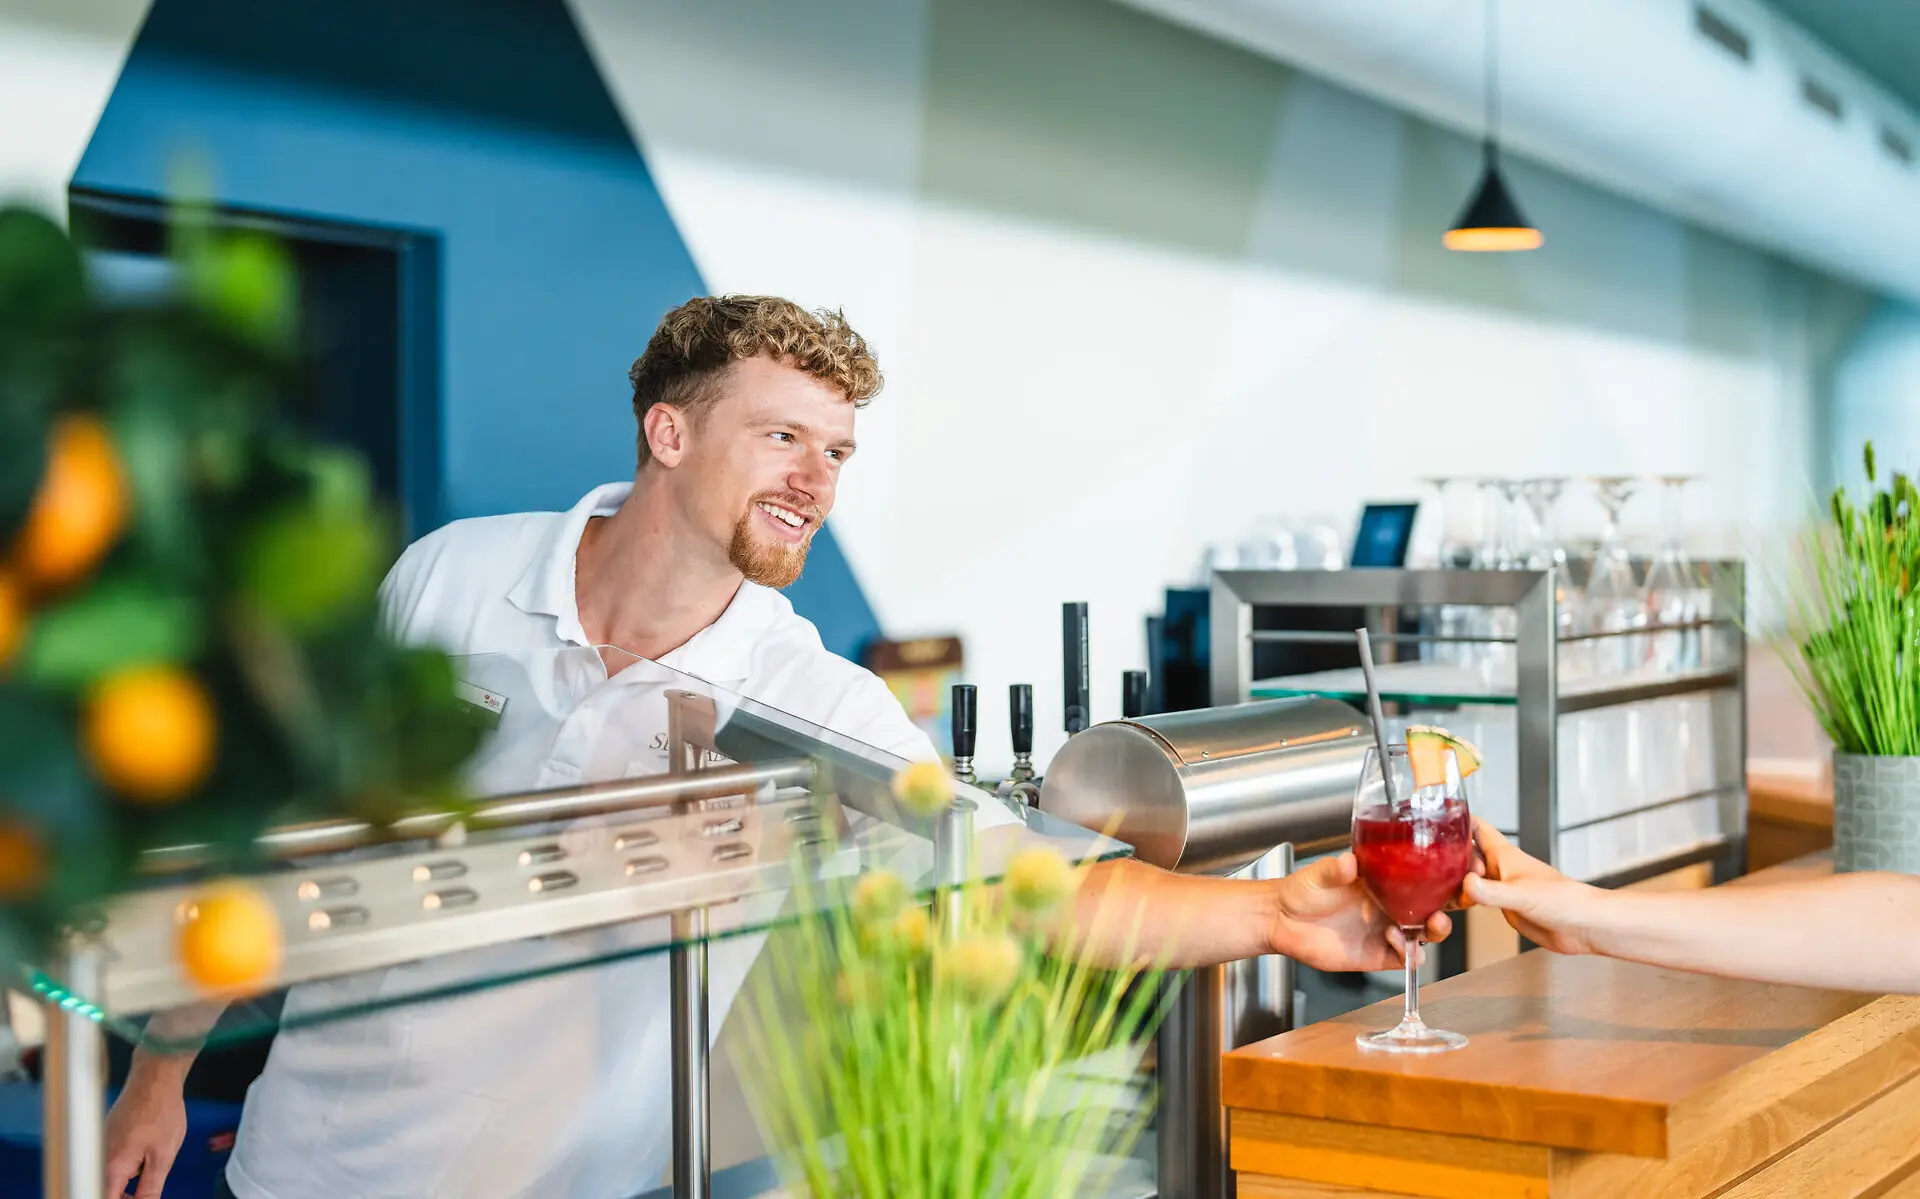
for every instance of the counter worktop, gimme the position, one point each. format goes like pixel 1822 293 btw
pixel 1591 1077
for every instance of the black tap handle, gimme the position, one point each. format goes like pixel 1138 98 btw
pixel 1074 666
pixel 1020 712
pixel 965 719
pixel 1133 694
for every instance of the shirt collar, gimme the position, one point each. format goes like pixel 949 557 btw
pixel 721 653
pixel 546 588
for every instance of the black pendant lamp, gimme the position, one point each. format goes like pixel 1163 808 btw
pixel 1491 221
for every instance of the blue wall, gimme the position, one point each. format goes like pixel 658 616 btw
pixel 486 123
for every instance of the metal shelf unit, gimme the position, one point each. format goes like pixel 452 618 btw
pixel 1537 692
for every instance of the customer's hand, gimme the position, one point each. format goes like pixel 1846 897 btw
pixel 1324 919
pixel 1541 904
pixel 146 1127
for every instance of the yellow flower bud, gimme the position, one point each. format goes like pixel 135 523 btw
pixel 878 895
pixel 912 930
pixel 857 987
pixel 923 787
pixel 1040 880
pixel 981 968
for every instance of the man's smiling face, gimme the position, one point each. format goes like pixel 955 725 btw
pixel 763 463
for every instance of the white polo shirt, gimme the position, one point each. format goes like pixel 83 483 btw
pixel 560 1086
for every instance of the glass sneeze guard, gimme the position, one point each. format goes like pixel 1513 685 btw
pixel 587 835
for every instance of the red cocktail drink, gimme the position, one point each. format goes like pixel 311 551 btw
pixel 1412 864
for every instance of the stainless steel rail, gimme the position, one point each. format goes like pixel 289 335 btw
pixel 530 807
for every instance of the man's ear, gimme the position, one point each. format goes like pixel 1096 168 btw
pixel 665 429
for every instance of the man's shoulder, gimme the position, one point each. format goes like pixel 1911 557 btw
pixel 789 640
pixel 792 661
pixel 447 577
pixel 480 540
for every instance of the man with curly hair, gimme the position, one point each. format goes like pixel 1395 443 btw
pixel 558 1086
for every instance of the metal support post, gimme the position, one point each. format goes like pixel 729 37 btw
pixel 74 1083
pixel 692 1094
pixel 952 863
pixel 691 725
pixel 1221 1008
pixel 1190 1126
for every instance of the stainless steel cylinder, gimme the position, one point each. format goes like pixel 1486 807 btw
pixel 1209 791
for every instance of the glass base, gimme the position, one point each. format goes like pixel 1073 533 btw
pixel 1411 1036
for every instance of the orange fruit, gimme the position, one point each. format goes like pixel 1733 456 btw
pixel 230 941
pixel 149 732
pixel 80 508
pixel 23 862
pixel 13 618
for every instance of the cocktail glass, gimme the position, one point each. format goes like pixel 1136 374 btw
pixel 1415 846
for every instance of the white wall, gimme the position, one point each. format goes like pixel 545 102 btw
pixel 1876 396
pixel 1133 289
pixel 58 63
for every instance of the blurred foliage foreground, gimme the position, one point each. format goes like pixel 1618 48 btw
pixel 190 647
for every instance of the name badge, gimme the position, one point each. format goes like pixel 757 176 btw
pixel 483 705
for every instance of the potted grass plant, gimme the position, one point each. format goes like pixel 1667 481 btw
pixel 990 1058
pixel 1854 632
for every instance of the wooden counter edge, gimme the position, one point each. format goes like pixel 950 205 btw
pixel 1494 1111
pixel 1562 1118
pixel 1790 799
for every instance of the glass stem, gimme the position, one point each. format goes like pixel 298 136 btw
pixel 1412 936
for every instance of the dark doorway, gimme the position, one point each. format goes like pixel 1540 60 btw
pixel 370 310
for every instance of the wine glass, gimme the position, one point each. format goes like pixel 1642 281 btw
pixel 1614 603
pixel 1673 592
pixel 1414 845
pixel 1547 553
pixel 1453 551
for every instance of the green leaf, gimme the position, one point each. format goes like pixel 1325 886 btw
pixel 248 282
pixel 150 433
pixel 42 282
pixel 308 567
pixel 41 777
pixel 23 458
pixel 117 623
pixel 342 484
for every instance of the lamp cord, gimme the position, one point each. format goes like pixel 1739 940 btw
pixel 1493 80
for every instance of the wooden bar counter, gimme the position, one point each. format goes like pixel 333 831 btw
pixel 1595 1079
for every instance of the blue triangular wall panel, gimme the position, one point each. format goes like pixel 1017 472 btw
pixel 485 122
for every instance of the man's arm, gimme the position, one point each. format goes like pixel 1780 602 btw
pixel 1317 915
pixel 149 1119
pixel 1850 932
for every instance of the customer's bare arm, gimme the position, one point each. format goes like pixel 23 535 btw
pixel 1854 932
